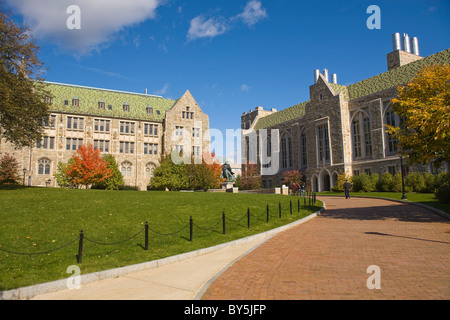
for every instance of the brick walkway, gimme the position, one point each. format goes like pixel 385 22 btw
pixel 328 257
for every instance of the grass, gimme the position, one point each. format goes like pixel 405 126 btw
pixel 35 220
pixel 424 198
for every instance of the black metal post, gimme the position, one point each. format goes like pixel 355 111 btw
pixel 191 229
pixel 304 201
pixel 267 212
pixel 248 218
pixel 223 223
pixel 403 180
pixel 279 209
pixel 314 198
pixel 80 248
pixel 146 236
pixel 290 207
pixel 298 205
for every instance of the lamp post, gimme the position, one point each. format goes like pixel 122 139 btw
pixel 403 180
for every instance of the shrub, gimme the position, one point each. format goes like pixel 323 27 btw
pixel 365 182
pixel 430 182
pixel 339 185
pixel 442 192
pixel 9 170
pixel 386 182
pixel 416 182
pixel 250 178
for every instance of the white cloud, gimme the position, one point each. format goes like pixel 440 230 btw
pixel 202 28
pixel 215 26
pixel 245 88
pixel 100 20
pixel 163 90
pixel 253 13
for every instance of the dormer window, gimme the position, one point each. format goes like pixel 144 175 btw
pixel 48 100
pixel 110 107
pixel 149 110
pixel 75 102
pixel 126 107
pixel 101 104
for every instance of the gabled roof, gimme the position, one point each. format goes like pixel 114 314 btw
pixel 282 116
pixel 397 76
pixel 383 81
pixel 89 99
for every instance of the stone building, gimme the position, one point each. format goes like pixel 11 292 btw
pixel 340 129
pixel 136 128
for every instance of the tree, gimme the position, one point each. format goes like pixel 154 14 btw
pixel 22 91
pixel 9 170
pixel 292 176
pixel 169 175
pixel 88 167
pixel 61 175
pixel 250 178
pixel 424 106
pixel 116 179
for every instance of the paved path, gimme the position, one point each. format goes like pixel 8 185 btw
pixel 328 257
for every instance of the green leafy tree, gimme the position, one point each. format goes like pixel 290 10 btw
pixel 201 176
pixel 9 170
pixel 116 179
pixel 22 91
pixel 169 175
pixel 61 177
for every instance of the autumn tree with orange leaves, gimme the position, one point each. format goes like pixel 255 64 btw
pixel 424 107
pixel 88 167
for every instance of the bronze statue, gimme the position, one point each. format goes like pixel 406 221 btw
pixel 226 172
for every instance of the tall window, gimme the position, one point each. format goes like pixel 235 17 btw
pixel 303 154
pixel 323 142
pixel 126 127
pixel 362 137
pixel 46 143
pixel 286 151
pixel 391 142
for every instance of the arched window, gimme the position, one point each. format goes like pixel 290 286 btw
pixel 149 170
pixel 361 135
pixel 44 166
pixel 286 151
pixel 125 169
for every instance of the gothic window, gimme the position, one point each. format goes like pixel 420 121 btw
pixel 323 143
pixel 44 167
pixel 391 119
pixel 286 151
pixel 125 169
pixel 361 135
pixel 303 154
pixel 149 170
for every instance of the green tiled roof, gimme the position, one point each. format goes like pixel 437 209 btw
pixel 282 116
pixel 396 77
pixel 386 80
pixel 89 99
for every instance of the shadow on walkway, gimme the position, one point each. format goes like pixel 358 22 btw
pixel 367 209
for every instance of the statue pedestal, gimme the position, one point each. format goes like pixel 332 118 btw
pixel 228 187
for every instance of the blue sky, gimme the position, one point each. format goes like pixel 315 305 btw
pixel 232 55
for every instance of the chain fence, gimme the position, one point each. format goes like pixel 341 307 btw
pixel 308 201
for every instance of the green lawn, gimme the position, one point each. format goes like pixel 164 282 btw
pixel 35 220
pixel 424 198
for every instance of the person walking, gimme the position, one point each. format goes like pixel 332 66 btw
pixel 347 187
